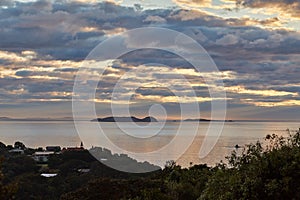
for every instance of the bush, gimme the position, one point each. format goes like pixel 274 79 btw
pixel 272 172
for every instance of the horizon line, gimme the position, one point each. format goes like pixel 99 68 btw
pixel 168 120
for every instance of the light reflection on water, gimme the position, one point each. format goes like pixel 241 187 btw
pixel 36 134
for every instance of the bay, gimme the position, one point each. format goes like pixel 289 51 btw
pixel 63 133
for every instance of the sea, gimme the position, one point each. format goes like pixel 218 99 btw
pixel 154 144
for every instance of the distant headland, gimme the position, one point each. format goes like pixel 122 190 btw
pixel 36 119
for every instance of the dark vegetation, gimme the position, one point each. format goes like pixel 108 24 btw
pixel 269 171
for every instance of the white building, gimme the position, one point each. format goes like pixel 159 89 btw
pixel 16 151
pixel 42 156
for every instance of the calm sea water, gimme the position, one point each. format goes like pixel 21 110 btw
pixel 41 134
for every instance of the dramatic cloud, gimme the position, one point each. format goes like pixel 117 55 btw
pixel 44 43
pixel 291 7
pixel 193 3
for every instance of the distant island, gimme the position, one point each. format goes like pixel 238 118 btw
pixel 125 119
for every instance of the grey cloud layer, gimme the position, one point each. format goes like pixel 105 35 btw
pixel 65 30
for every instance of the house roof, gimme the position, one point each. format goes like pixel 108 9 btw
pixel 48 175
pixel 43 153
pixel 16 150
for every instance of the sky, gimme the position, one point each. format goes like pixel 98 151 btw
pixel 254 43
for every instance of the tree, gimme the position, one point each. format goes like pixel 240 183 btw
pixel 7 191
pixel 272 172
pixel 19 145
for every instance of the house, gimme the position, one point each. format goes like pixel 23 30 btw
pixel 53 148
pixel 83 170
pixel 48 175
pixel 16 151
pixel 42 156
pixel 72 149
pixel 81 148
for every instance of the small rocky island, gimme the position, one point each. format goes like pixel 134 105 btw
pixel 125 119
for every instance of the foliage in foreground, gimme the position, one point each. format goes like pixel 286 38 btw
pixel 261 171
pixel 272 172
